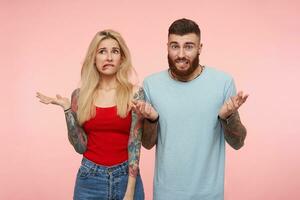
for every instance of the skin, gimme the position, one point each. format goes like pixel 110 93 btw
pixel 182 54
pixel 108 60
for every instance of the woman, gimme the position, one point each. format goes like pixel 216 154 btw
pixel 101 124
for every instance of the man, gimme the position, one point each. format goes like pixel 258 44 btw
pixel 198 111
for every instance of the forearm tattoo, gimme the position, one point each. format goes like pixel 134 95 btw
pixel 134 143
pixel 76 134
pixel 234 131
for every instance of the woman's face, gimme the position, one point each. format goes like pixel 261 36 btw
pixel 108 57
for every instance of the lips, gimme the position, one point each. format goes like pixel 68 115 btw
pixel 182 63
pixel 108 65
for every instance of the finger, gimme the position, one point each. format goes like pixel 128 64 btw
pixel 43 98
pixel 143 105
pixel 234 103
pixel 134 102
pixel 240 94
pixel 239 97
pixel 58 96
pixel 148 109
pixel 245 98
pixel 39 94
pixel 138 108
pixel 133 106
pixel 230 104
pixel 44 102
pixel 138 104
pixel 227 106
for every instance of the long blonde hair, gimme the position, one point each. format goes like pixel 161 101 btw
pixel 90 78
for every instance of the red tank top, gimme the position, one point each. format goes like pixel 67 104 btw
pixel 108 136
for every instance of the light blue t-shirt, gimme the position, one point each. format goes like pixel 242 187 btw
pixel 190 150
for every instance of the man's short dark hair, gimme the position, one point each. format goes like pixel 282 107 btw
pixel 184 26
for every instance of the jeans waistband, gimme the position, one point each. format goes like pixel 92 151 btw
pixel 122 167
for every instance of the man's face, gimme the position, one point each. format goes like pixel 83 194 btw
pixel 183 53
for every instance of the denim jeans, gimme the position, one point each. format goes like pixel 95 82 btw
pixel 97 182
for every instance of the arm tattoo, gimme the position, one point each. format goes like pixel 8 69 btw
pixel 134 143
pixel 234 131
pixel 76 134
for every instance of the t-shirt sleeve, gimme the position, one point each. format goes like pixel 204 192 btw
pixel 146 91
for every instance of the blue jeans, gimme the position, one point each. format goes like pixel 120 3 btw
pixel 97 182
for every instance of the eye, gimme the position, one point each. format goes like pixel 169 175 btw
pixel 174 46
pixel 189 47
pixel 116 51
pixel 102 51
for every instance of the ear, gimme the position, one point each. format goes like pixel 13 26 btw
pixel 200 48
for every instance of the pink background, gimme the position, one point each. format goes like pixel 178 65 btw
pixel 43 44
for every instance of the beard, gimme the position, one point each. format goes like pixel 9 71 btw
pixel 183 73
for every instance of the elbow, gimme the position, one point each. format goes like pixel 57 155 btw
pixel 81 150
pixel 237 146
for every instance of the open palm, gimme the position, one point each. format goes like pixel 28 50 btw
pixel 232 105
pixel 58 100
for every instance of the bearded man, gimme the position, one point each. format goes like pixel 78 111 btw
pixel 197 111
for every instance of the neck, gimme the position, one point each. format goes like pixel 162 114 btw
pixel 108 82
pixel 189 77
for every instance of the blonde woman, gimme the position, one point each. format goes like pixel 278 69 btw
pixel 101 124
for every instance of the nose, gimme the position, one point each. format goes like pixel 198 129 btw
pixel 181 53
pixel 109 56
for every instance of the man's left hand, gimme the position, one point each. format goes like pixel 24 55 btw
pixel 232 105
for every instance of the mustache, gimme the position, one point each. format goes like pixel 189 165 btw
pixel 182 59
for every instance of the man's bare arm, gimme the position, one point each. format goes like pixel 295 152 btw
pixel 234 131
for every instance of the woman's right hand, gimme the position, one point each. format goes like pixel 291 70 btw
pixel 59 100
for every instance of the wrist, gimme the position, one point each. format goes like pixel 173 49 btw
pixel 227 118
pixel 153 120
pixel 67 109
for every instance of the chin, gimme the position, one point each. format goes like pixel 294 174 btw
pixel 108 73
pixel 183 71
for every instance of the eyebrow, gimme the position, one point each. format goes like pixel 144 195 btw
pixel 104 48
pixel 184 43
pixel 190 43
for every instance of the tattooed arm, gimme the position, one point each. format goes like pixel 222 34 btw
pixel 234 131
pixel 134 145
pixel 136 130
pixel 150 125
pixel 76 134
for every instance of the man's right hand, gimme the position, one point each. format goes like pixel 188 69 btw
pixel 144 110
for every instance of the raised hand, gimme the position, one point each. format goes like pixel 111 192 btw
pixel 232 105
pixel 59 100
pixel 144 110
